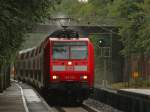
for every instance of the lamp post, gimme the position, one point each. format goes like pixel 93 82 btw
pixel 83 1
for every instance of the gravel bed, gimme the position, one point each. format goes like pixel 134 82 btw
pixel 101 106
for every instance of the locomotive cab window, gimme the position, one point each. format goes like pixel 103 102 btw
pixel 78 52
pixel 60 52
pixel 70 50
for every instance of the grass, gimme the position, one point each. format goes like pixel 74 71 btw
pixel 132 84
pixel 120 85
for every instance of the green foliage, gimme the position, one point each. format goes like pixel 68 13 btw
pixel 94 11
pixel 144 32
pixel 16 18
pixel 131 17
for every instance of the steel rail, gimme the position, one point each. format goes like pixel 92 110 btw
pixel 84 107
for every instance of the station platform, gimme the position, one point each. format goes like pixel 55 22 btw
pixel 11 100
pixel 142 94
pixel 20 97
pixel 139 91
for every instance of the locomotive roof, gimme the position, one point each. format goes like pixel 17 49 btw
pixel 26 50
pixel 72 39
pixel 61 35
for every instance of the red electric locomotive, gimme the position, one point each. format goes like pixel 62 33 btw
pixel 64 62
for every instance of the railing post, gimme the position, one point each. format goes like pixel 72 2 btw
pixel 1 90
pixel 4 79
pixel 8 76
pixel 1 80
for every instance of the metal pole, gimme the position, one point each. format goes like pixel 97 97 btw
pixel 105 72
pixel 110 57
pixel 0 81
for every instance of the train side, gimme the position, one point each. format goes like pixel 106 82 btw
pixel 60 65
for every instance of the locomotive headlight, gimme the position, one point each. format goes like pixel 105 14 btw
pixel 54 77
pixel 84 77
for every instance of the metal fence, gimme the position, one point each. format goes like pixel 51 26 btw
pixel 4 77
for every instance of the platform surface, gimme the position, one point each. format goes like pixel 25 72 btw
pixel 20 97
pixel 34 101
pixel 11 100
pixel 140 91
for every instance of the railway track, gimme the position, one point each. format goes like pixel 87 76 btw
pixel 82 108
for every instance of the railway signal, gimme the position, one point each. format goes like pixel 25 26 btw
pixel 105 42
pixel 101 43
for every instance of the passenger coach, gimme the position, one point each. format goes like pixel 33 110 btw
pixel 64 62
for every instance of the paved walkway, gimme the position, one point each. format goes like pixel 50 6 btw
pixel 11 100
pixel 20 97
pixel 34 101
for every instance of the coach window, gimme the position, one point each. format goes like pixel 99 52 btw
pixel 21 56
pixel 41 62
pixel 39 78
pixel 40 49
pixel 24 65
pixel 29 64
pixel 27 54
pixel 32 53
pixel 36 51
pixel 38 63
pixel 34 63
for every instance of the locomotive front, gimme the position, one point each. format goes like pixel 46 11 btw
pixel 63 63
pixel 71 65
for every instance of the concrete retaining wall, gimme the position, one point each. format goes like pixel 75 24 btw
pixel 123 100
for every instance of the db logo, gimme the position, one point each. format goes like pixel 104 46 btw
pixel 70 68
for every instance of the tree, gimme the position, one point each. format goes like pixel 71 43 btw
pixel 129 16
pixel 144 32
pixel 93 12
pixel 16 18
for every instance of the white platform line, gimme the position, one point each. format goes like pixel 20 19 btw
pixel 23 98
